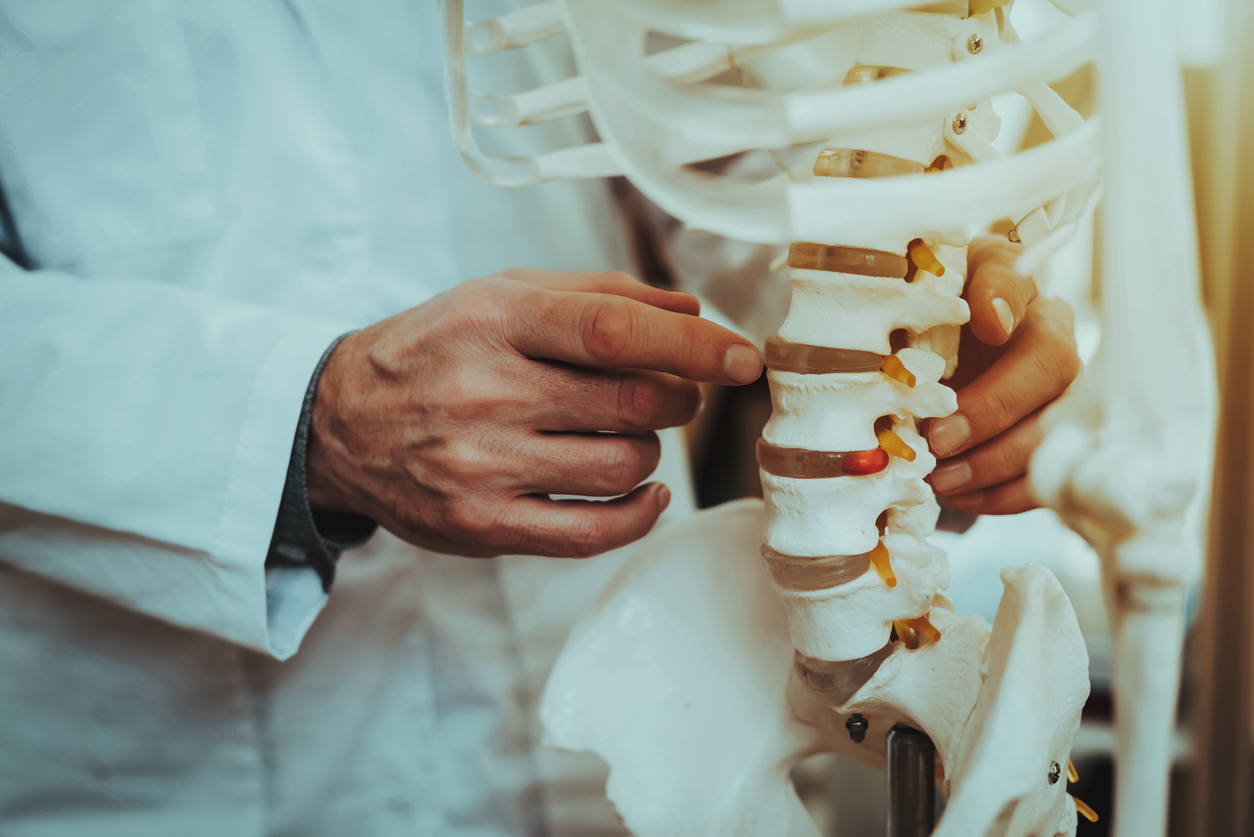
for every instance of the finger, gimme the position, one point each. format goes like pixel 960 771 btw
pixel 1001 458
pixel 1038 365
pixel 591 465
pixel 1010 497
pixel 635 400
pixel 579 528
pixel 602 330
pixel 998 296
pixel 608 282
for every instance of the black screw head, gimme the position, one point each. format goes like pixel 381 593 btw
pixel 1055 772
pixel 857 727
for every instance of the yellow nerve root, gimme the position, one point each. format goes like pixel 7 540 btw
pixel 892 443
pixel 908 637
pixel 1084 810
pixel 924 258
pixel 923 627
pixel 895 369
pixel 1073 775
pixel 879 560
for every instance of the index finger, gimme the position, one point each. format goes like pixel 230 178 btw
pixel 604 330
pixel 609 282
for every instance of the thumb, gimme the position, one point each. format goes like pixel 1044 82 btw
pixel 997 295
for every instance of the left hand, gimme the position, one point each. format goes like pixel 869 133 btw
pixel 1018 354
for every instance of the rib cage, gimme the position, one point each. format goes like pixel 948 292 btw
pixel 657 114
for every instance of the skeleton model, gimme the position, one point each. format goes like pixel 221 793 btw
pixel 709 670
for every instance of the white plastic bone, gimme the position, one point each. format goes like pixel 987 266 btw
pixel 1126 453
pixel 837 516
pixel 838 412
pixel 861 311
pixel 682 681
pixel 853 620
pixel 1026 717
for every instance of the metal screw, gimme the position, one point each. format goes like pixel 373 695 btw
pixel 856 725
pixel 974 44
pixel 1055 772
pixel 960 123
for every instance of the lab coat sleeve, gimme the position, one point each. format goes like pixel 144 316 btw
pixel 145 435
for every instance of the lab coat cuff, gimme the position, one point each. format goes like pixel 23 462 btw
pixel 284 601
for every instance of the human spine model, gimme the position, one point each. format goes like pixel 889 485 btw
pixel 872 329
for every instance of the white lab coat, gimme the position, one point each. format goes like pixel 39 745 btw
pixel 209 193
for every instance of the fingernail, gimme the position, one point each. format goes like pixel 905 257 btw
pixel 949 434
pixel 1004 315
pixel 662 498
pixel 742 363
pixel 950 477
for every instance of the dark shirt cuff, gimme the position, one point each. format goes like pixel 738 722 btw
pixel 303 537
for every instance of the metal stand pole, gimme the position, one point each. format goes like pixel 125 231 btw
pixel 911 771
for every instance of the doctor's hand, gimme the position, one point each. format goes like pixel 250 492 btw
pixel 1018 354
pixel 451 423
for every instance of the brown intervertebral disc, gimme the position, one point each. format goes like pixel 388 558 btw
pixel 805 359
pixel 857 260
pixel 802 464
pixel 818 573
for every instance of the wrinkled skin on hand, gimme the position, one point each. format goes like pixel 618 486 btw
pixel 1018 355
pixel 452 423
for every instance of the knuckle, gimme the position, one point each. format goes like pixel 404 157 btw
pixel 1060 359
pixel 650 455
pixel 1071 365
pixel 991 257
pixel 1025 291
pixel 1003 462
pixel 463 461
pixel 639 402
pixel 466 399
pixel 517 273
pixel 621 467
pixel 468 523
pixel 619 277
pixel 607 329
pixel 1001 409
pixel 478 302
pixel 475 291
pixel 688 396
pixel 590 535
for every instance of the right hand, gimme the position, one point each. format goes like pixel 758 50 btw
pixel 452 422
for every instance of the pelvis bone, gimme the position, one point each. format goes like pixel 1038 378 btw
pixel 682 680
